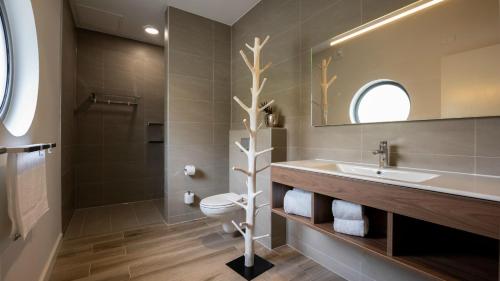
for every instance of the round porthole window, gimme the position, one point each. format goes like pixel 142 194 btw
pixel 5 63
pixel 19 66
pixel 380 101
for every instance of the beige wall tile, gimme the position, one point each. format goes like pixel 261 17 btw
pixel 222 71
pixel 222 112
pixel 222 92
pixel 277 16
pixel 373 9
pixel 191 111
pixel 488 166
pixel 331 21
pixel 190 133
pixel 199 123
pixel 188 87
pixel 488 135
pixel 192 37
pixel 190 65
pixel 282 76
pixel 221 133
pixel 310 9
pixel 282 46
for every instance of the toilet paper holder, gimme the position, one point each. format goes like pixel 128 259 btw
pixel 189 170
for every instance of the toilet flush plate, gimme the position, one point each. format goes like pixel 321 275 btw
pixel 260 266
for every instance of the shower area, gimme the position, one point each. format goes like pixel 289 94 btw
pixel 121 98
pixel 113 140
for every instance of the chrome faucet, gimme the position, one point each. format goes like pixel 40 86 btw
pixel 383 155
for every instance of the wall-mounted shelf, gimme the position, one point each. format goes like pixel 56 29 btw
pixel 151 124
pixel 28 148
pixel 155 132
pixel 156 141
pixel 444 237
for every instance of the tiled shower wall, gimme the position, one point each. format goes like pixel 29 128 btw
pixel 198 110
pixel 113 159
pixel 466 145
pixel 68 121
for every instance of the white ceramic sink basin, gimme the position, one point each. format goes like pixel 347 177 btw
pixel 468 185
pixel 388 173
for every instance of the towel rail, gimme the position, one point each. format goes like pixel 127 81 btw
pixel 27 148
pixel 94 99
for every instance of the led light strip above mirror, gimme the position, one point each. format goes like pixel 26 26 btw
pixel 389 18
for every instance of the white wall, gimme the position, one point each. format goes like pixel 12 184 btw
pixel 26 260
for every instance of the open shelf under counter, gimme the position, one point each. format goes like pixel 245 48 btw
pixel 301 219
pixel 449 254
pixel 451 266
pixel 444 237
pixel 376 244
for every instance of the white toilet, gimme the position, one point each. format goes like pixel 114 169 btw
pixel 219 207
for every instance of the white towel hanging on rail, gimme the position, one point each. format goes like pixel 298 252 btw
pixel 26 191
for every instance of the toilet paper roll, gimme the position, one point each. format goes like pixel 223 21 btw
pixel 189 198
pixel 189 170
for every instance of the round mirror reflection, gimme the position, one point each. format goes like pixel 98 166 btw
pixel 380 101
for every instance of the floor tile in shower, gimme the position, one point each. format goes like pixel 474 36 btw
pixel 113 218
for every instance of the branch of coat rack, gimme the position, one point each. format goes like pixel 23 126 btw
pixel 27 148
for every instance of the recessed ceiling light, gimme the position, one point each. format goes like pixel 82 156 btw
pixel 151 30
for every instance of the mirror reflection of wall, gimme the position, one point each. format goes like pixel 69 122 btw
pixel 445 58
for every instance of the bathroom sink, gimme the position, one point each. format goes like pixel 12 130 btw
pixel 386 173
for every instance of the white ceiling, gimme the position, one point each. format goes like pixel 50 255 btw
pixel 225 11
pixel 127 18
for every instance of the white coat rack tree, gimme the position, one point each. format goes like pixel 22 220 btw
pixel 251 173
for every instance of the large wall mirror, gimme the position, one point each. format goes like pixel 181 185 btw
pixel 435 59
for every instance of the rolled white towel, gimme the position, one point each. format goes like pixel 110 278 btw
pixel 351 227
pixel 347 210
pixel 298 202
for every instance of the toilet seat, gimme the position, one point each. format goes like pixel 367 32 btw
pixel 220 201
pixel 220 208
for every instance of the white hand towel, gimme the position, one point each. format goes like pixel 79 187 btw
pixel 351 227
pixel 347 210
pixel 298 202
pixel 26 191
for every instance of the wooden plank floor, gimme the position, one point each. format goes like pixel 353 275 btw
pixel 190 251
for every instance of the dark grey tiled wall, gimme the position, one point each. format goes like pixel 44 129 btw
pixel 114 161
pixel 68 121
pixel 198 110
pixel 297 25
